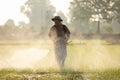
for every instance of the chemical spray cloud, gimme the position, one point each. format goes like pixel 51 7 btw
pixel 24 58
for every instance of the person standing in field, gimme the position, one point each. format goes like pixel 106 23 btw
pixel 59 34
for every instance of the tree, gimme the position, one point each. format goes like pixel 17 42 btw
pixel 10 23
pixel 39 13
pixel 107 28
pixel 95 10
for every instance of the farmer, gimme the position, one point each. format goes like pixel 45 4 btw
pixel 59 34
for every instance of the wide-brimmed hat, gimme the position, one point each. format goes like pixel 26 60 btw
pixel 57 18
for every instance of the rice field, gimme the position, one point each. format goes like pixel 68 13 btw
pixel 33 60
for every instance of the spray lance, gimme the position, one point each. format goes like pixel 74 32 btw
pixel 69 43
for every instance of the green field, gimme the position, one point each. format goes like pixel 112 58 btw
pixel 86 60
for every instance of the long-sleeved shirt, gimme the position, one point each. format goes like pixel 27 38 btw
pixel 61 32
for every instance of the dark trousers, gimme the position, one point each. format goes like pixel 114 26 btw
pixel 60 52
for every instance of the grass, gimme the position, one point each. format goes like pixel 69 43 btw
pixel 106 75
pixel 86 60
pixel 32 75
pixel 92 55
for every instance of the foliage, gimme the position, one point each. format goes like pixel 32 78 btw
pixel 39 12
pixel 106 29
pixel 86 10
pixel 10 31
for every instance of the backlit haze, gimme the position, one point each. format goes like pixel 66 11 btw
pixel 10 9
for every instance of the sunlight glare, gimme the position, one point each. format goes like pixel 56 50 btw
pixel 61 5
pixel 10 9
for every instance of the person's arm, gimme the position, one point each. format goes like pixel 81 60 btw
pixel 49 34
pixel 52 33
pixel 67 32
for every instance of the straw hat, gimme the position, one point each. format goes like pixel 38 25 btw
pixel 57 18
